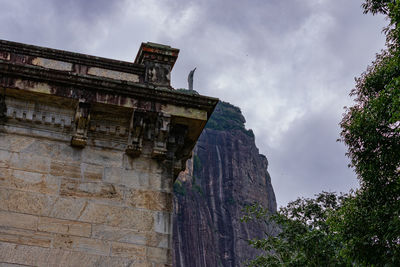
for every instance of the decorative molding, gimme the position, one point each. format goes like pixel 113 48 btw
pixel 31 51
pixel 135 135
pixel 181 152
pixel 61 83
pixel 161 135
pixel 38 114
pixel 82 118
pixel 169 140
pixel 118 105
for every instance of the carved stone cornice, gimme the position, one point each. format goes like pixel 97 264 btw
pixel 87 100
pixel 81 125
pixel 32 51
pixel 71 85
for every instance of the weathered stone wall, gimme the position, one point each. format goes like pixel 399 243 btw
pixel 61 205
pixel 88 158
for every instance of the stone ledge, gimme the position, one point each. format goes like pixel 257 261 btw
pixel 77 58
pixel 57 80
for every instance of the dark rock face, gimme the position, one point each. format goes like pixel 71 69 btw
pixel 225 174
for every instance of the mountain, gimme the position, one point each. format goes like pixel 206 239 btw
pixel 225 174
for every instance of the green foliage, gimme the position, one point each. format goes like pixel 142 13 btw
pixel 227 117
pixel 390 8
pixel 363 228
pixel 370 221
pixel 179 188
pixel 305 237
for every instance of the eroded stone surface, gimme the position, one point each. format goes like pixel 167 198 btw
pixel 89 150
pixel 66 227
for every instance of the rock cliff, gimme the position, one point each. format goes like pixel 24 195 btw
pixel 225 174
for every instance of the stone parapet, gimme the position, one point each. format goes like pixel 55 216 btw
pixel 89 150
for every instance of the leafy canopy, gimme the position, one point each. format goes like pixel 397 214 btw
pixel 305 236
pixel 371 130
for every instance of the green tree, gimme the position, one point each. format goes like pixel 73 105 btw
pixel 363 228
pixel 305 236
pixel 370 221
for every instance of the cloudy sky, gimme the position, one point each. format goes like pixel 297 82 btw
pixel 288 64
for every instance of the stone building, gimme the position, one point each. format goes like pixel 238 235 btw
pixel 89 150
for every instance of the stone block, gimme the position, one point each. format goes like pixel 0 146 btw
pixel 122 217
pixel 25 202
pixel 91 190
pixel 29 162
pixel 5 176
pixel 128 178
pixel 38 256
pixel 25 237
pixel 151 200
pixel 142 164
pixel 163 222
pixel 130 236
pixel 29 181
pixel 87 245
pixel 128 250
pixel 159 255
pixel 5 157
pixel 56 150
pixel 104 157
pixel 52 225
pixel 66 169
pixel 161 182
pixel 5 264
pixel 112 74
pixel 68 208
pixel 15 143
pixel 18 220
pixel 158 240
pixel 92 172
pixel 117 234
pixel 52 64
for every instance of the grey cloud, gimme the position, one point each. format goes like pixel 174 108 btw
pixel 289 64
pixel 85 10
pixel 310 160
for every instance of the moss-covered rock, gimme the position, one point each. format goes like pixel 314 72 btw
pixel 227 117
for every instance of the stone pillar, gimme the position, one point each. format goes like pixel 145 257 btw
pixel 159 61
pixel 89 150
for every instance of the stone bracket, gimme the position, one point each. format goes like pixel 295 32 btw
pixel 149 127
pixel 177 145
pixel 161 134
pixel 82 119
pixel 135 134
